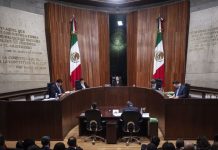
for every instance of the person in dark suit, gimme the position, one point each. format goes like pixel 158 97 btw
pixel 130 107
pixel 45 141
pixel 2 143
pixel 72 144
pixel 116 81
pixel 81 84
pixel 59 146
pixel 56 89
pixel 181 90
pixel 94 106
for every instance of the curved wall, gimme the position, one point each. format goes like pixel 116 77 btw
pixel 93 40
pixel 24 119
pixel 178 118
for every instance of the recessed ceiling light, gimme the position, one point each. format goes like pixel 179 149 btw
pixel 120 23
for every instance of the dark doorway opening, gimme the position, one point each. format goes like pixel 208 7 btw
pixel 118 47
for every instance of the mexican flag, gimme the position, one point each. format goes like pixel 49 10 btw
pixel 158 68
pixel 75 63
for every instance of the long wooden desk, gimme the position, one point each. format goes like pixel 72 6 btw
pixel 181 118
pixel 108 116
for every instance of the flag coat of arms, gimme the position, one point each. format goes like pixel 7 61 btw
pixel 75 62
pixel 158 68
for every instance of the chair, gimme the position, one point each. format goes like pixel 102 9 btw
pixel 158 84
pixel 93 124
pixel 188 90
pixel 78 85
pixel 49 88
pixel 131 124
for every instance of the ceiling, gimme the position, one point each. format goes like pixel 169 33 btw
pixel 116 3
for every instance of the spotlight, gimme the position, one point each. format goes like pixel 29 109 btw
pixel 120 23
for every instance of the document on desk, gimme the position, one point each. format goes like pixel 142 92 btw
pixel 145 115
pixel 50 99
pixel 82 114
pixel 117 114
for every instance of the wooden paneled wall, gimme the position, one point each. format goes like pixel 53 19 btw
pixel 142 31
pixel 93 39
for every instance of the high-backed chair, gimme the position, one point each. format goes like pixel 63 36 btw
pixel 188 90
pixel 77 85
pixel 93 124
pixel 49 89
pixel 158 84
pixel 131 124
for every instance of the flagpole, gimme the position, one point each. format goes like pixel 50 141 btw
pixel 158 66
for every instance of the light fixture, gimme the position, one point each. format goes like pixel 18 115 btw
pixel 120 23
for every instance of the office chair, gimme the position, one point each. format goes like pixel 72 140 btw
pixel 188 90
pixel 131 121
pixel 158 84
pixel 77 85
pixel 93 124
pixel 49 88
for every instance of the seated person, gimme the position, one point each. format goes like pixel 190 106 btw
pixel 202 143
pixel 168 146
pixel 181 90
pixel 130 107
pixel 81 84
pixel 94 106
pixel 143 147
pixel 153 84
pixel 215 140
pixel 56 89
pixel 45 141
pixel 2 142
pixel 34 147
pixel 156 84
pixel 155 140
pixel 28 142
pixel 72 144
pixel 180 144
pixel 116 81
pixel 19 145
pixel 151 146
pixel 189 146
pixel 59 146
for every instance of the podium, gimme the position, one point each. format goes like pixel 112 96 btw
pixel 111 132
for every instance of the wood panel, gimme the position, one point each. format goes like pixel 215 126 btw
pixel 103 29
pixel 33 119
pixel 3 117
pixel 175 28
pixel 131 48
pixel 92 39
pixel 190 118
pixel 193 117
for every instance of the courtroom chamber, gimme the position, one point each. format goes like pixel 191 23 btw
pixel 160 55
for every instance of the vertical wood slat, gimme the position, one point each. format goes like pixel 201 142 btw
pixel 92 38
pixel 140 56
pixel 131 47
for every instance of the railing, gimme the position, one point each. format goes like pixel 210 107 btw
pixel 204 92
pixel 25 94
